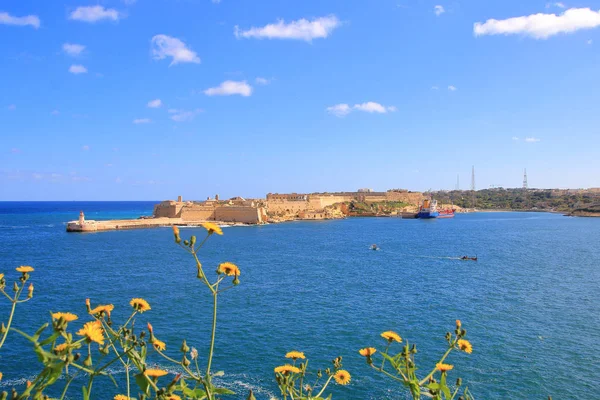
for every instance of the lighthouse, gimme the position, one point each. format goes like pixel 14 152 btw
pixel 81 218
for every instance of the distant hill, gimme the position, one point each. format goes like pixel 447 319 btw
pixel 557 200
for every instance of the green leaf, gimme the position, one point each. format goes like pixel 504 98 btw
pixel 143 384
pixel 391 360
pixel 222 391
pixel 219 373
pixel 86 395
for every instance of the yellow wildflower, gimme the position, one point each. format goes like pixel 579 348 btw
pixel 66 316
pixel 93 332
pixel 465 346
pixel 175 230
pixel 121 397
pixel 173 397
pixel 155 373
pixel 294 355
pixel 286 369
pixel 106 308
pixel 140 305
pixel 1 276
pixel 60 347
pixel 212 228
pixel 342 377
pixel 159 345
pixel 0 376
pixel 443 367
pixel 367 351
pixel 228 268
pixel 24 269
pixel 391 336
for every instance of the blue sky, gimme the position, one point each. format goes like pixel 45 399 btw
pixel 305 96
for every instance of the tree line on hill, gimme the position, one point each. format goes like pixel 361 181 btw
pixel 519 199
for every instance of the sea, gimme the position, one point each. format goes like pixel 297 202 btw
pixel 530 304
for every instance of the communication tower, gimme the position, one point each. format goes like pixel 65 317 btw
pixel 525 185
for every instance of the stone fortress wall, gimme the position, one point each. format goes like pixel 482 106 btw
pixel 306 203
pixel 233 210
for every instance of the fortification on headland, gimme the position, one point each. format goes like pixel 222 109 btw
pixel 238 210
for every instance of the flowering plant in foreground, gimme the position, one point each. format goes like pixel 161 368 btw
pixel 85 353
pixel 402 367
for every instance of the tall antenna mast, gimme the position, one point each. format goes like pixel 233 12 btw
pixel 473 185
pixel 525 185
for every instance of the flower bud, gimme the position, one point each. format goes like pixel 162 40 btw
pixel 413 349
pixel 463 332
pixel 458 382
pixel 319 374
pixel 184 347
pixel 176 234
pixel 88 361
pixel 104 350
pixel 15 287
pixel 192 241
pixel 458 323
pixel 2 328
pixel 30 291
pixel 77 357
pixel 186 242
pixel 87 305
pixel 236 281
pixel 251 396
pixel 185 361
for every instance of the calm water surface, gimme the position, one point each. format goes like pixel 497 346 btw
pixel 530 304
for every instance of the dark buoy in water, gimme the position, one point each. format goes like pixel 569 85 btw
pixel 374 247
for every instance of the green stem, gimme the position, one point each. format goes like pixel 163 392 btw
pixel 324 386
pixel 422 381
pixel 212 336
pixel 12 313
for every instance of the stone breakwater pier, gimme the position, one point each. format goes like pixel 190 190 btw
pixel 239 211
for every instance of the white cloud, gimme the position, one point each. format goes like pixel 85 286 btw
pixel 142 121
pixel 301 29
pixel 556 4
pixel 372 107
pixel 434 88
pixel 339 110
pixel 77 69
pixel 7 19
pixel 438 10
pixel 451 88
pixel 541 26
pixel 12 107
pixel 85 147
pixel 166 46
pixel 183 115
pixel 37 176
pixel 155 103
pixel 516 139
pixel 229 88
pixel 262 81
pixel 94 14
pixel 532 140
pixel 343 109
pixel 73 49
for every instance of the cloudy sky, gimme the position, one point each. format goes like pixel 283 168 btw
pixel 149 99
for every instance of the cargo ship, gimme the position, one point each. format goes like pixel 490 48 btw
pixel 428 209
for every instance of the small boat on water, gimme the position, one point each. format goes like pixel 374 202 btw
pixel 467 258
pixel 374 247
pixel 447 213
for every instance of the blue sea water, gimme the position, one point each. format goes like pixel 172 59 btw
pixel 530 304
